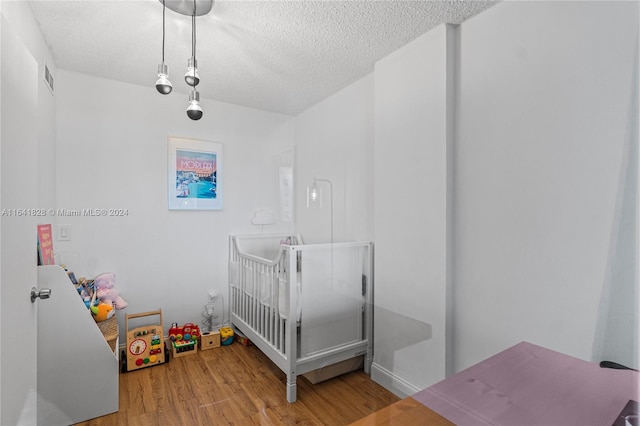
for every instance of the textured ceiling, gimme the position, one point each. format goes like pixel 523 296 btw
pixel 280 56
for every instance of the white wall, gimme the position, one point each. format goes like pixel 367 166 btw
pixel 112 153
pixel 545 90
pixel 617 327
pixel 542 119
pixel 20 15
pixel 334 140
pixel 412 191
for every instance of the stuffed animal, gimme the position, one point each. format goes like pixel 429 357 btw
pixel 102 311
pixel 107 292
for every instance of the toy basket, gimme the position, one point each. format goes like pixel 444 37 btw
pixel 109 329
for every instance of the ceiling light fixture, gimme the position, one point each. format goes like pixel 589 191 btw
pixel 186 7
pixel 163 84
pixel 189 8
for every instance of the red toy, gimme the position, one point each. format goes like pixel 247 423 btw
pixel 184 339
pixel 186 332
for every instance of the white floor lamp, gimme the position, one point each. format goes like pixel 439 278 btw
pixel 314 197
pixel 314 201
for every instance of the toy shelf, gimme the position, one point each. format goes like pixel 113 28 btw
pixel 78 364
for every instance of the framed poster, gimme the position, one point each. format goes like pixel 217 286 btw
pixel 194 174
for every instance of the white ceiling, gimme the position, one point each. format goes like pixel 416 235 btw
pixel 280 56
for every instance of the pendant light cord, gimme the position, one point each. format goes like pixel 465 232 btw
pixel 164 8
pixel 193 31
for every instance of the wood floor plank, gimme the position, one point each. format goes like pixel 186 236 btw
pixel 406 412
pixel 238 385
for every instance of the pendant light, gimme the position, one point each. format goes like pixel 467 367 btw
pixel 163 84
pixel 194 110
pixel 183 7
pixel 191 76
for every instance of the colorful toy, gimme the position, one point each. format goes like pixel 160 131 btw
pixel 104 285
pixel 184 339
pixel 242 339
pixel 226 335
pixel 85 290
pixel 102 311
pixel 145 344
pixel 188 331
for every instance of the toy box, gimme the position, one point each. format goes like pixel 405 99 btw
pixel 242 339
pixel 210 340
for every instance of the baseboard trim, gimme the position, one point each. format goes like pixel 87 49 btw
pixel 399 386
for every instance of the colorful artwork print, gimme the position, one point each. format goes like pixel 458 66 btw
pixel 196 174
pixel 195 178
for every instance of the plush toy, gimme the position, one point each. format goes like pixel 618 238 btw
pixel 102 311
pixel 107 292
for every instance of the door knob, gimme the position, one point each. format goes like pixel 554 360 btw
pixel 44 293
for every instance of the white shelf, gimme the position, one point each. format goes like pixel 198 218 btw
pixel 77 370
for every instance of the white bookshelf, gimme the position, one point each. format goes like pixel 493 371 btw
pixel 77 369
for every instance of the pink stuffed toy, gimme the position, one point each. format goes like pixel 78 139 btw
pixel 107 292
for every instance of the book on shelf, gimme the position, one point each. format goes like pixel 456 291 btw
pixel 45 245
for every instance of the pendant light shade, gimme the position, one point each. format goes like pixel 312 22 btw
pixel 194 110
pixel 191 76
pixel 163 84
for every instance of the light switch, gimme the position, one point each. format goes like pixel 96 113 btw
pixel 64 233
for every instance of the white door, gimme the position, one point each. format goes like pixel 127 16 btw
pixel 18 256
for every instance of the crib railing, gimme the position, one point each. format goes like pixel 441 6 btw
pixel 304 306
pixel 254 287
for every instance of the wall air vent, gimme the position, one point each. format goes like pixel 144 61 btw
pixel 48 78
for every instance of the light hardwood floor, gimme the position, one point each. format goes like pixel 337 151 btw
pixel 238 385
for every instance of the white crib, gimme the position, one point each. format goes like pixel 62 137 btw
pixel 330 301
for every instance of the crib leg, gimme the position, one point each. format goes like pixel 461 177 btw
pixel 291 388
